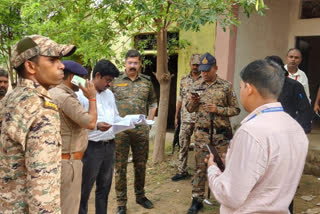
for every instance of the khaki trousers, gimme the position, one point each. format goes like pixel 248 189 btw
pixel 70 192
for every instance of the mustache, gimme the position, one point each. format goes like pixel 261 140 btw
pixel 3 91
pixel 132 69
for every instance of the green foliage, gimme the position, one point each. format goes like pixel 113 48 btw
pixel 10 27
pixel 90 25
pixel 189 14
pixel 95 26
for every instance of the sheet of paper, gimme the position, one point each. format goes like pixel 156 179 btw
pixel 130 122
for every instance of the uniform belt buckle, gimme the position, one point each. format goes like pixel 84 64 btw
pixel 105 142
pixel 74 155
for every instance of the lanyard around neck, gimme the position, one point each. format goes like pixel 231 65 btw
pixel 267 110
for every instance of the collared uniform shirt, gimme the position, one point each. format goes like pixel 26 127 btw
pixel 219 92
pixel 30 151
pixel 107 112
pixel 72 117
pixel 301 77
pixel 134 97
pixel 185 89
pixel 263 165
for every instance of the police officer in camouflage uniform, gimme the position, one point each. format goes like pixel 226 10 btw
pixel 134 95
pixel 30 141
pixel 211 95
pixel 187 119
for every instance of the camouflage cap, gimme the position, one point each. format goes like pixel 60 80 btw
pixel 35 45
pixel 195 59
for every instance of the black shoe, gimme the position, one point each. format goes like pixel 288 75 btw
pixel 179 177
pixel 146 203
pixel 195 206
pixel 122 210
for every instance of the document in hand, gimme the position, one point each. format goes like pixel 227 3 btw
pixel 130 122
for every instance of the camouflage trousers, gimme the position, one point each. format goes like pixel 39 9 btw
pixel 138 140
pixel 186 131
pixel 200 176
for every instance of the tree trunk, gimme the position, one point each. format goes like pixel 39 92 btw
pixel 13 80
pixel 164 78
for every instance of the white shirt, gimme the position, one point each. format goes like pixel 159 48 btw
pixel 263 165
pixel 301 77
pixel 107 112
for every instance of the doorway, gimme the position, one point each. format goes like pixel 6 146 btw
pixel 310 46
pixel 151 67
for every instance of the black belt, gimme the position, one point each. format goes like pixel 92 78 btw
pixel 105 142
pixel 215 130
pixel 204 129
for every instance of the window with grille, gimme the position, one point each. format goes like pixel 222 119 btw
pixel 310 9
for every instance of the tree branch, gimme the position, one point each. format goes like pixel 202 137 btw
pixel 167 13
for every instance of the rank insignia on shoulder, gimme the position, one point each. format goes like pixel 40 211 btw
pixel 122 84
pixel 50 105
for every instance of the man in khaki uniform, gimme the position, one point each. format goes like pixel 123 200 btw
pixel 30 140
pixel 74 122
pixel 212 97
pixel 187 119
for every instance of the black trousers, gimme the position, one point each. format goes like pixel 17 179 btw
pixel 98 165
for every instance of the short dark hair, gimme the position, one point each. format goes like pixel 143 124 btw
pixel 105 68
pixel 279 61
pixel 3 73
pixel 266 76
pixel 66 73
pixel 294 49
pixel 133 53
pixel 20 69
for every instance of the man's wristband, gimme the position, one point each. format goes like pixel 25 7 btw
pixel 93 99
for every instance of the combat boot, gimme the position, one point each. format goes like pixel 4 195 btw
pixel 181 176
pixel 195 206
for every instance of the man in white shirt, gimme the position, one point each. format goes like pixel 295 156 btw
pixel 98 159
pixel 267 154
pixel 294 58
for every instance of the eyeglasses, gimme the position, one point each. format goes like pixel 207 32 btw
pixel 133 63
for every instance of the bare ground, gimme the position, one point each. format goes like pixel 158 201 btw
pixel 175 197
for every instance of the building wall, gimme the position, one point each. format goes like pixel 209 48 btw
pixel 300 27
pixel 258 37
pixel 272 34
pixel 201 42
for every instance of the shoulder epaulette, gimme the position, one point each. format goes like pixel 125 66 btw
pixel 145 76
